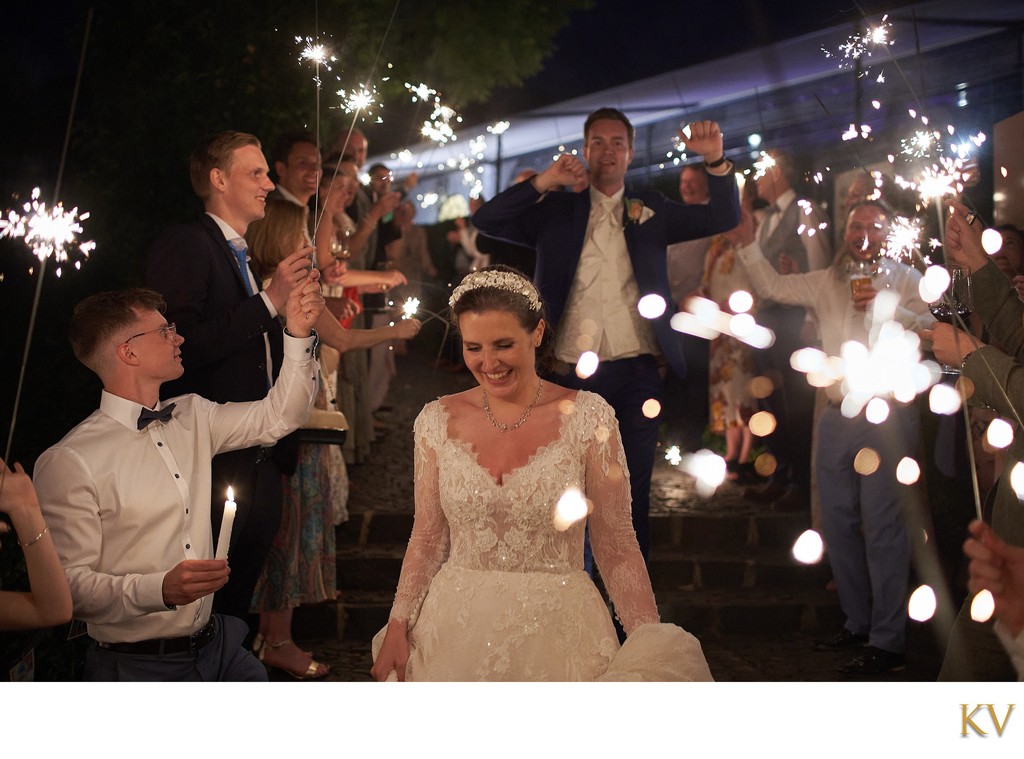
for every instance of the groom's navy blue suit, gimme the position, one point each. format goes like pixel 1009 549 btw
pixel 555 225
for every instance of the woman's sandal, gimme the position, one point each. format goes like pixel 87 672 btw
pixel 314 671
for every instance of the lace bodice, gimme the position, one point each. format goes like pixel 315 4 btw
pixel 463 516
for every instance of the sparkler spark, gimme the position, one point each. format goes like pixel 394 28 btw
pixel 420 91
pixel 409 308
pixel 859 46
pixel 362 98
pixel 49 233
pixel 315 52
pixel 902 240
pixel 762 164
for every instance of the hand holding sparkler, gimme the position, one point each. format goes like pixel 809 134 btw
pixel 704 138
pixel 305 305
pixel 963 238
pixel 566 170
pixel 998 568
pixel 386 204
pixel 407 328
pixel 288 275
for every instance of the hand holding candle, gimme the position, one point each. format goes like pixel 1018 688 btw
pixel 226 523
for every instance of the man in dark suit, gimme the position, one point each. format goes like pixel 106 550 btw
pixel 598 251
pixel 234 338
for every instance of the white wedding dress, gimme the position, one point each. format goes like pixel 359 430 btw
pixel 493 591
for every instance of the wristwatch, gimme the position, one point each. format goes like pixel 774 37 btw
pixel 716 164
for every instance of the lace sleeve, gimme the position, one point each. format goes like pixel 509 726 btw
pixel 611 526
pixel 428 544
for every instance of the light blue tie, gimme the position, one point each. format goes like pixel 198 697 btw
pixel 239 248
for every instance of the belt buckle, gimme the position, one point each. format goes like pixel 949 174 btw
pixel 200 638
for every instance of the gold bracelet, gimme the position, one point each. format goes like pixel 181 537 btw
pixel 35 540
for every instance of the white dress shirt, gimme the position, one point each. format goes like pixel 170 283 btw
pixel 601 313
pixel 125 506
pixel 827 293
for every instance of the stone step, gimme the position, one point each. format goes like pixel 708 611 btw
pixel 726 530
pixel 377 567
pixel 360 614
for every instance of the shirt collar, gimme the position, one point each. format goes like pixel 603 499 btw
pixel 288 196
pixel 598 198
pixel 784 200
pixel 225 228
pixel 122 410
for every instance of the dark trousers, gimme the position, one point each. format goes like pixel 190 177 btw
pixel 257 483
pixel 223 659
pixel 626 384
pixel 792 401
pixel 685 409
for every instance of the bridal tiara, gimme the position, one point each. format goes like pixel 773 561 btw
pixel 501 280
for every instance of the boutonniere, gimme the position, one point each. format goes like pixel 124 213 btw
pixel 637 212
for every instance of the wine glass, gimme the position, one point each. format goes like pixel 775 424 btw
pixel 958 300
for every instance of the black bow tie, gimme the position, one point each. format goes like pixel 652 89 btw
pixel 147 416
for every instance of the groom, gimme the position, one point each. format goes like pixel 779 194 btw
pixel 598 251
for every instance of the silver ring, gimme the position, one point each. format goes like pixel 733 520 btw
pixel 969 218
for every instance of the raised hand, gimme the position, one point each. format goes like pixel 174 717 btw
pixel 565 170
pixel 288 275
pixel 305 305
pixel 963 238
pixel 705 138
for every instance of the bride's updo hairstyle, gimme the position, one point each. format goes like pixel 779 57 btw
pixel 502 288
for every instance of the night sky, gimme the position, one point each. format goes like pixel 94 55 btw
pixel 614 42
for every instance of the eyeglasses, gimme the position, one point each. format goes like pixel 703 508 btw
pixel 167 332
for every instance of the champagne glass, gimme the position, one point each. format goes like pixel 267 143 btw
pixel 958 300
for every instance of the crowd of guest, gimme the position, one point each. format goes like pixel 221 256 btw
pixel 300 243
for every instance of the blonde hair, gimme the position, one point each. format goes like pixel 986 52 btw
pixel 272 238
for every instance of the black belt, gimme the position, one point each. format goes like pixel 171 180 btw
pixel 159 646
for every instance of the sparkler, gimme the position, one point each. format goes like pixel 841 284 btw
pixel 49 233
pixel 316 53
pixel 362 98
pixel 901 242
pixel 762 164
pixel 858 47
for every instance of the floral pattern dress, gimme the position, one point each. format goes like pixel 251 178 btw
pixel 731 362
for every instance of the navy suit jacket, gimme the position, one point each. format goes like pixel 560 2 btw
pixel 224 353
pixel 555 225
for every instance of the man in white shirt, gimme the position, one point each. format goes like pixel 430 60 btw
pixel 863 516
pixel 127 497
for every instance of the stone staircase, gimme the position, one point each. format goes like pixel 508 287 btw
pixel 719 568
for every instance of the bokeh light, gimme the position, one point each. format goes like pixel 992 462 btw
pixel 922 604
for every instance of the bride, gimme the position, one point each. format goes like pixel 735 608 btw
pixel 492 585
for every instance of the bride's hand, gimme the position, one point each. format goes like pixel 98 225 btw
pixel 393 654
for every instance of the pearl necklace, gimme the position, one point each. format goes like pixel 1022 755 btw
pixel 501 426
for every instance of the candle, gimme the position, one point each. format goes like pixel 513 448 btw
pixel 226 522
